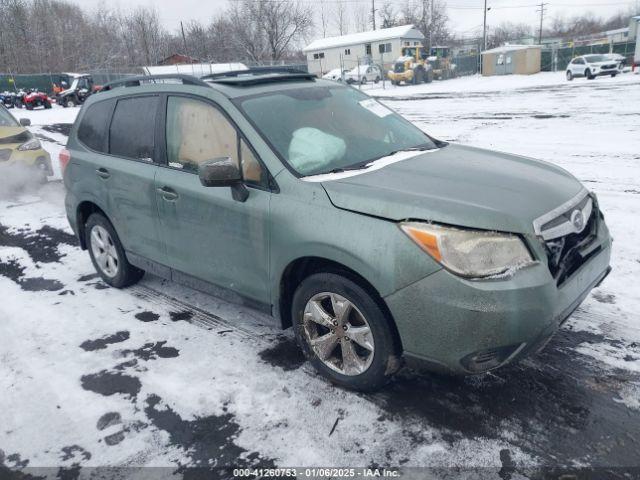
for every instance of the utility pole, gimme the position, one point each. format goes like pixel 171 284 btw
pixel 373 13
pixel 484 28
pixel 431 27
pixel 542 6
pixel 184 39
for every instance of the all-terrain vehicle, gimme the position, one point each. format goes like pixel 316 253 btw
pixel 34 98
pixel 8 99
pixel 81 87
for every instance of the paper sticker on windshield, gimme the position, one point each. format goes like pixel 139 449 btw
pixel 375 107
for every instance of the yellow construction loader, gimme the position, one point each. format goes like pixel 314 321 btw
pixel 411 67
pixel 440 61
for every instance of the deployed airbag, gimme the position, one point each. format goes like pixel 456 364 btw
pixel 310 149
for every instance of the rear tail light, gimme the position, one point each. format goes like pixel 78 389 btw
pixel 64 158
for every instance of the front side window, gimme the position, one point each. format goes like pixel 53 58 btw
pixel 197 132
pixel 132 132
pixel 94 126
pixel 322 129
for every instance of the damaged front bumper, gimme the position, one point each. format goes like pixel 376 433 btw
pixel 454 325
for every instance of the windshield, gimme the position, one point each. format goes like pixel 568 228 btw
pixel 6 119
pixel 324 129
pixel 596 58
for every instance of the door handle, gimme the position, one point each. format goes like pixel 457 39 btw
pixel 167 193
pixel 103 173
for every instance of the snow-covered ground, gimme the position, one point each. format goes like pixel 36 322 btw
pixel 160 375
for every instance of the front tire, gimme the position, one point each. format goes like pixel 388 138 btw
pixel 343 332
pixel 588 74
pixel 107 254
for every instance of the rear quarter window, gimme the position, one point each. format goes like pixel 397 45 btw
pixel 132 132
pixel 94 126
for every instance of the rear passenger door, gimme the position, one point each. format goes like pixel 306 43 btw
pixel 209 235
pixel 129 174
pixel 115 168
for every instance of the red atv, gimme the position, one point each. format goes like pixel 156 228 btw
pixel 33 98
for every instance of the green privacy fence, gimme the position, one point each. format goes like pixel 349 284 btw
pixel 466 65
pixel 558 58
pixel 44 81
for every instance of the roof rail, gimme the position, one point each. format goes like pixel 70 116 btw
pixel 139 80
pixel 255 71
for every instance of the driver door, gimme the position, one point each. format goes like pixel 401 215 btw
pixel 208 235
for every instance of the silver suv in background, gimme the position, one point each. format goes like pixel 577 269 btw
pixel 592 66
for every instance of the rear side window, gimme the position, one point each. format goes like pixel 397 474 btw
pixel 94 126
pixel 132 132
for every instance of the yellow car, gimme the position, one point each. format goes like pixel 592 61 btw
pixel 18 146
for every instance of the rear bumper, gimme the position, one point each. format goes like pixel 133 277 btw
pixel 453 325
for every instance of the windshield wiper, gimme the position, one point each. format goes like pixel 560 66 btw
pixel 362 165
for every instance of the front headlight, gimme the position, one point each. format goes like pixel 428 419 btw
pixel 33 144
pixel 470 253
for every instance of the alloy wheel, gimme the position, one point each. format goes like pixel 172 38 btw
pixel 104 251
pixel 338 333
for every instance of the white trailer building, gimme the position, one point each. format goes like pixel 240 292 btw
pixel 634 32
pixel 347 51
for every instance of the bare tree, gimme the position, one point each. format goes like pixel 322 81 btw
pixel 360 16
pixel 341 17
pixel 508 32
pixel 324 18
pixel 387 14
pixel 283 22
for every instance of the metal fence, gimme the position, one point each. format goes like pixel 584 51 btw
pixel 466 65
pixel 557 58
pixel 44 81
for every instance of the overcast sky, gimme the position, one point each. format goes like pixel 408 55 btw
pixel 465 15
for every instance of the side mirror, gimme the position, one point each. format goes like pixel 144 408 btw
pixel 223 172
pixel 25 122
pixel 219 172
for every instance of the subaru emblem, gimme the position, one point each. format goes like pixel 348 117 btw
pixel 577 220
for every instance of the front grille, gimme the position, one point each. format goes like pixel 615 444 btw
pixel 5 154
pixel 607 67
pixel 568 253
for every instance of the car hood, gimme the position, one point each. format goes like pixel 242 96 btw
pixel 11 135
pixel 602 64
pixel 458 185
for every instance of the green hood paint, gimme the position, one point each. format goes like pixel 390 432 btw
pixel 459 185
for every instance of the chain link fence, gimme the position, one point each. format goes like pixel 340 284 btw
pixel 557 58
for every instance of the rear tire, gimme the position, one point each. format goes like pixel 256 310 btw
pixel 366 343
pixel 107 254
pixel 47 105
pixel 569 75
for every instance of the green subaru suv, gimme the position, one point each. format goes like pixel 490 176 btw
pixel 311 201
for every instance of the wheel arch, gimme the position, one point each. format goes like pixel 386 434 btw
pixel 299 269
pixel 83 212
